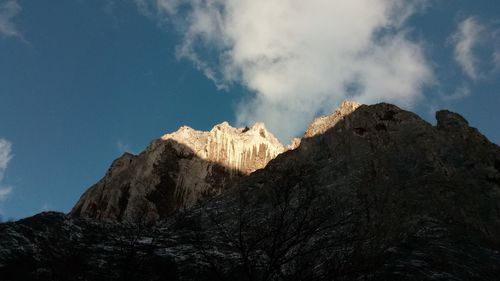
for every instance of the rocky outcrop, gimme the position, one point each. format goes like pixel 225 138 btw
pixel 241 149
pixel 177 171
pixel 323 123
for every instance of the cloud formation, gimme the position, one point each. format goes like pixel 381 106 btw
pixel 477 48
pixel 8 10
pixel 301 58
pixel 5 157
pixel 4 193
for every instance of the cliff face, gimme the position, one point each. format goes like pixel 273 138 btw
pixel 241 149
pixel 177 171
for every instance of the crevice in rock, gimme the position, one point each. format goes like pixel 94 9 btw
pixel 123 201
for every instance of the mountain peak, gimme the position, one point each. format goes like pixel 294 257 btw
pixel 447 120
pixel 323 123
pixel 226 145
pixel 177 171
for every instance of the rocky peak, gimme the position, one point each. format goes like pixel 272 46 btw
pixel 294 144
pixel 323 123
pixel 241 149
pixel 450 121
pixel 176 171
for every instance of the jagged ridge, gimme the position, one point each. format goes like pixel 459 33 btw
pixel 186 166
pixel 177 171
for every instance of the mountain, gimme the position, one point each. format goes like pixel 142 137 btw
pixel 177 171
pixel 182 168
pixel 371 192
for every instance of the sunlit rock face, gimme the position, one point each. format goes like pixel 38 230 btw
pixel 242 149
pixel 323 123
pixel 177 171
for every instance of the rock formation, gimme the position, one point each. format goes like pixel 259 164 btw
pixel 181 168
pixel 177 171
pixel 323 123
pixel 372 192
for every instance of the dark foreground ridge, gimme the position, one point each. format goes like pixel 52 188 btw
pixel 379 194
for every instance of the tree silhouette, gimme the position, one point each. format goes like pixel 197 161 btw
pixel 289 232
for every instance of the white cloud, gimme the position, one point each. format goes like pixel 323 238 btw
pixel 5 157
pixel 477 48
pixel 4 193
pixel 301 58
pixel 468 35
pixel 8 10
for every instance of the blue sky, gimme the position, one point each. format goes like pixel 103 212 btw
pixel 83 80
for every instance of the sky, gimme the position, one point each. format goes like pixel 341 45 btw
pixel 83 81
